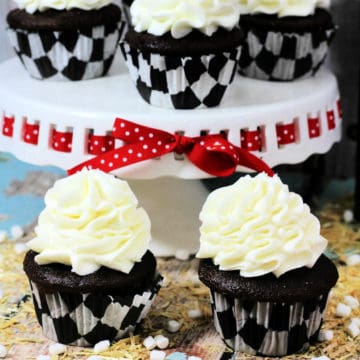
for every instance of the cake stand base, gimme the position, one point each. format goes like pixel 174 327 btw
pixel 173 205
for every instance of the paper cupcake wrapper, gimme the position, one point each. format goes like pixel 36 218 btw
pixel 181 82
pixel 85 319
pixel 265 328
pixel 67 55
pixel 283 56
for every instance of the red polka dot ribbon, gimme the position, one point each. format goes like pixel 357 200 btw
pixel 211 153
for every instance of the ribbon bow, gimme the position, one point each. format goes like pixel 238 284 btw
pixel 211 153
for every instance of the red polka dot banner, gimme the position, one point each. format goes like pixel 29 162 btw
pixel 211 153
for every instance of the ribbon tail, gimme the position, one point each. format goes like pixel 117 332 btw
pixel 251 161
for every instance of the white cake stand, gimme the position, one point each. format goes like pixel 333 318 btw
pixel 308 109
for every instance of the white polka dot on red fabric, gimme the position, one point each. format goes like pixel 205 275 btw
pixel 216 143
pixel 151 135
pixel 27 136
pixel 242 138
pixel 317 125
pixel 208 148
pixel 102 161
pixel 141 138
pixel 202 143
pixel 63 139
pixel 110 142
pixel 159 142
pixel 122 125
pixel 222 148
pixel 139 155
pixel 103 149
pixel 36 131
pixel 116 156
pixel 145 147
pixel 111 164
pixel 136 130
pixel 130 151
pixel 56 144
pixel 91 148
pixel 167 146
pixel 127 133
pixel 256 137
pixel 250 144
pixel 69 146
pixel 279 139
pixel 313 131
pixel 96 142
pixel 231 147
pixel 154 151
pixel 6 130
pixel 285 131
pixel 124 159
pixel 292 137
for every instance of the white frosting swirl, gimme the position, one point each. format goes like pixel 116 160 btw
pixel 91 219
pixel 31 6
pixel 258 226
pixel 282 7
pixel 180 17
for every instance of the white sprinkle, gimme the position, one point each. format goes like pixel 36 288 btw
pixel 173 326
pixel 101 346
pixel 149 343
pixel 348 216
pixel 351 301
pixel 194 313
pixel 325 335
pixel 194 358
pixel 342 310
pixel 157 355
pixel 43 357
pixel 20 248
pixel 356 321
pixel 56 349
pixel 353 259
pixel 352 329
pixel 16 232
pixel 162 342
pixel 182 254
pixel 3 352
pixel 3 236
pixel 95 357
pixel 321 358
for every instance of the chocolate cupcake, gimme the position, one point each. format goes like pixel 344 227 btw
pixel 188 58
pixel 72 41
pixel 264 265
pixel 284 42
pixel 91 275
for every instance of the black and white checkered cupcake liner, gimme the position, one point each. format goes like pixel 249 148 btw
pixel 283 56
pixel 85 319
pixel 181 82
pixel 67 55
pixel 265 328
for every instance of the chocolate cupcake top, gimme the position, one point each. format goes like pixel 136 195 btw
pixel 91 220
pixel 58 20
pixel 32 6
pixel 257 227
pixel 57 277
pixel 282 8
pixel 321 20
pixel 294 286
pixel 180 17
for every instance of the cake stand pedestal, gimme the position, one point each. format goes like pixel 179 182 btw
pixel 64 123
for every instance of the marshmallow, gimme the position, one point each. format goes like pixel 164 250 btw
pixel 342 310
pixel 353 259
pixel 101 346
pixel 3 352
pixel 157 355
pixel 57 349
pixel 351 302
pixel 182 254
pixel 325 335
pixel 173 326
pixel 348 216
pixel 149 343
pixel 162 342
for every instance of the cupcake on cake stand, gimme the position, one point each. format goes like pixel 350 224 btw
pixel 68 123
